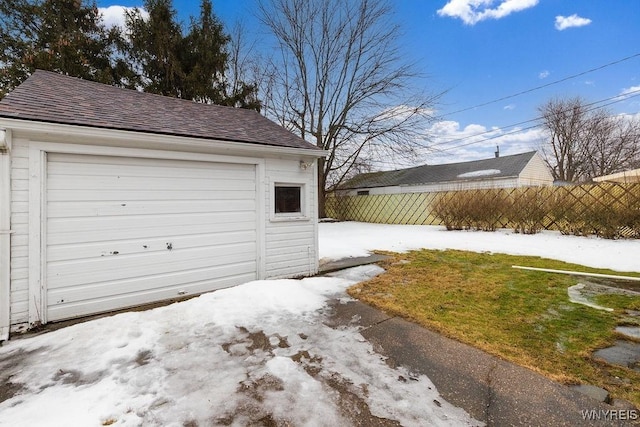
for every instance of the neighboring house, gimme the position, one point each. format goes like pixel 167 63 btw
pixel 626 177
pixel 519 170
pixel 111 198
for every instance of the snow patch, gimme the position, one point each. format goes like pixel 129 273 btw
pixel 480 173
pixel 357 239
pixel 576 297
pixel 252 354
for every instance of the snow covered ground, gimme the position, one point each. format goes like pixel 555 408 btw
pixel 257 353
pixel 353 239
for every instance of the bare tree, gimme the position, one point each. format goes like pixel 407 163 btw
pixel 584 143
pixel 242 67
pixel 340 82
pixel 613 145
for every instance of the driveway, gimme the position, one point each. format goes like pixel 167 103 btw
pixel 263 353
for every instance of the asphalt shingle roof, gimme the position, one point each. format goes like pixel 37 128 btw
pixel 50 97
pixel 500 167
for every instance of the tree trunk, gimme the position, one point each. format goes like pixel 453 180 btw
pixel 321 190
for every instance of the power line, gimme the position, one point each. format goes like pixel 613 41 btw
pixel 614 99
pixel 542 86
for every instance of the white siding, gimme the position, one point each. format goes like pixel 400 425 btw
pixel 291 244
pixel 463 185
pixel 20 232
pixel 536 173
pixel 280 247
pixel 442 186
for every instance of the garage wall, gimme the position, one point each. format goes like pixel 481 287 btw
pixel 20 235
pixel 289 248
pixel 291 244
pixel 536 173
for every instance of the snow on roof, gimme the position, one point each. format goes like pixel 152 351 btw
pixel 480 173
pixel 507 167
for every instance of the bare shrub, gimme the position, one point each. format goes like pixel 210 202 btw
pixel 567 209
pixel 528 208
pixel 612 215
pixel 462 210
pixel 486 208
pixel 451 209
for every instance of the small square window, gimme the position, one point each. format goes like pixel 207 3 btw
pixel 288 199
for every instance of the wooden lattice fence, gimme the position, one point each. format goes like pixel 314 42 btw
pixel 607 209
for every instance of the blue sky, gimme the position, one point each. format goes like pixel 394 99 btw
pixel 498 48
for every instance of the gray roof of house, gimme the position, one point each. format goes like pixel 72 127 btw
pixel 50 97
pixel 500 167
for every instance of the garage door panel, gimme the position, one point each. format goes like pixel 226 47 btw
pixel 70 209
pixel 143 233
pixel 124 231
pixel 70 295
pixel 145 194
pixel 114 267
pixel 137 246
pixel 124 183
pixel 101 305
pixel 66 164
pixel 166 221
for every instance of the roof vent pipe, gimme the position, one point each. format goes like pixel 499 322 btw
pixel 497 152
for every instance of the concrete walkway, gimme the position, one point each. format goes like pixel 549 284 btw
pixel 343 263
pixel 494 391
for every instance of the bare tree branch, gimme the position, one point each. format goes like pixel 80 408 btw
pixel 341 83
pixel 583 144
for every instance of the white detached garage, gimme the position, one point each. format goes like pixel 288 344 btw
pixel 112 198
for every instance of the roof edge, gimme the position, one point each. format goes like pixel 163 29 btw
pixel 78 131
pixel 174 134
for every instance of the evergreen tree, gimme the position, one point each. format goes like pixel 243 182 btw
pixel 206 62
pixel 154 47
pixel 65 36
pixel 189 66
pixel 69 37
pixel 204 57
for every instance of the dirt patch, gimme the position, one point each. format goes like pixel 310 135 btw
pixel 628 285
pixel 9 389
pixel 252 341
pixel 10 364
pixel 311 364
pixel 144 357
pixel 75 377
pixel 353 407
pixel 251 412
pixel 256 388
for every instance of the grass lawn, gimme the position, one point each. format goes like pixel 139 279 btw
pixel 521 316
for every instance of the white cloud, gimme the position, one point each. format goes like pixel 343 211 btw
pixel 544 74
pixel 509 107
pixel 633 90
pixel 114 16
pixel 452 143
pixel 474 11
pixel 564 22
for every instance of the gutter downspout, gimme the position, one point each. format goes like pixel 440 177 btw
pixel 5 233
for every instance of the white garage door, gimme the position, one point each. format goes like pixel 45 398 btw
pixel 126 231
